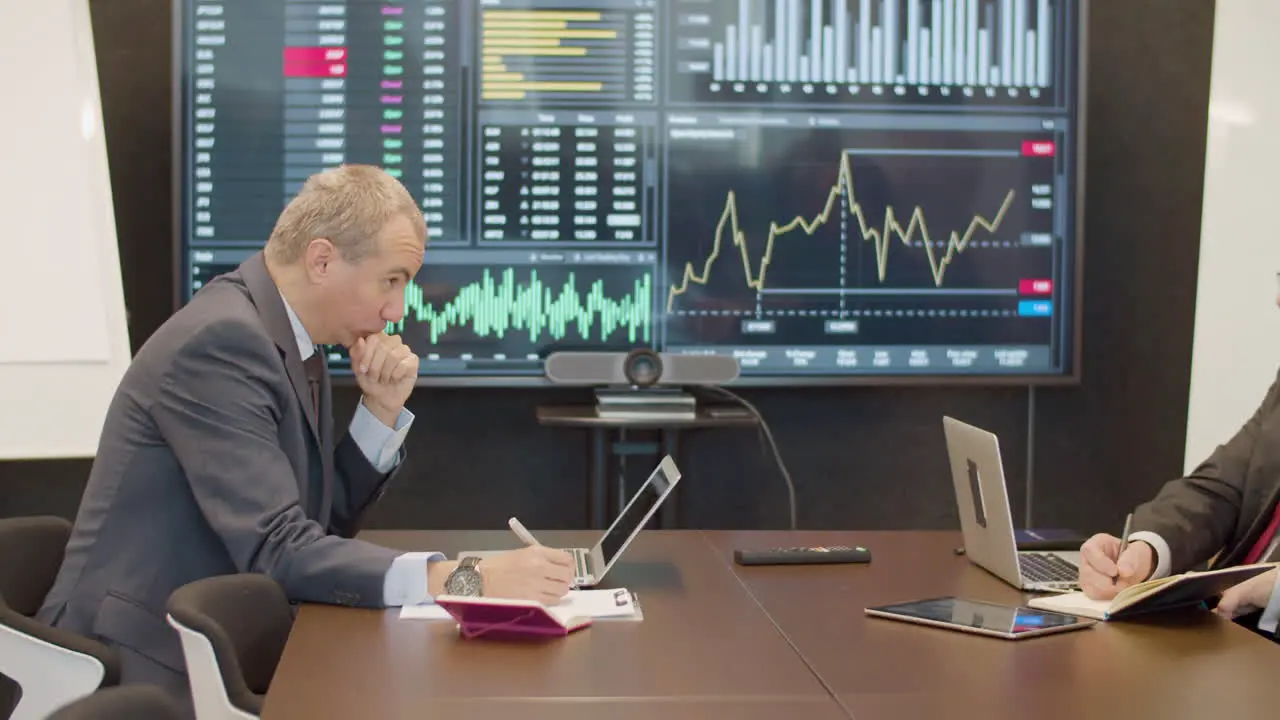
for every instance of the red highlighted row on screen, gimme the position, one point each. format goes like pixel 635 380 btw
pixel 1035 286
pixel 315 62
pixel 1039 148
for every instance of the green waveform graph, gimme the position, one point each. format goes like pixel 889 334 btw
pixel 496 306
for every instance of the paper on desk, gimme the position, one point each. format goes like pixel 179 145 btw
pixel 619 604
pixel 1073 603
pixel 425 611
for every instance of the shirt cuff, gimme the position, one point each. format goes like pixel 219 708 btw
pixel 1271 615
pixel 406 580
pixel 379 443
pixel 1163 562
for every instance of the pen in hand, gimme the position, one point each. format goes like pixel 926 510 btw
pixel 519 529
pixel 1124 544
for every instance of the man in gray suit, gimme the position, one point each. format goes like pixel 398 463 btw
pixel 1226 512
pixel 217 455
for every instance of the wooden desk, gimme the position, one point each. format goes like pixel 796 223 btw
pixel 1193 666
pixel 721 640
pixel 704 649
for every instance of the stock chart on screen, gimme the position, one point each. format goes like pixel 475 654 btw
pixel 825 190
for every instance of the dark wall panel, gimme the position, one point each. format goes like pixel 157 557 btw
pixel 1111 443
pixel 860 457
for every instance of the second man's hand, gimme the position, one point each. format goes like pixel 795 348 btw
pixel 385 370
pixel 1104 572
pixel 1252 594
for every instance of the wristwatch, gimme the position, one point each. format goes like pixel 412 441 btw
pixel 465 579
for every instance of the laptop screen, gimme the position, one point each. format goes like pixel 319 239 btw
pixel 633 516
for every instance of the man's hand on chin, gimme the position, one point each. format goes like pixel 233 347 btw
pixel 386 370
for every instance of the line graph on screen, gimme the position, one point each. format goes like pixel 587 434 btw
pixel 842 197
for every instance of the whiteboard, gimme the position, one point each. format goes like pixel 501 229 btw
pixel 1236 352
pixel 63 337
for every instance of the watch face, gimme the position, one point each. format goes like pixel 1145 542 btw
pixel 463 581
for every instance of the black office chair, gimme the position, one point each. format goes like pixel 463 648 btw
pixel 135 702
pixel 233 630
pixel 50 666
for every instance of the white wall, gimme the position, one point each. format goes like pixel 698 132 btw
pixel 63 337
pixel 1237 332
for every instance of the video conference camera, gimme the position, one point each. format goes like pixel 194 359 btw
pixel 639 368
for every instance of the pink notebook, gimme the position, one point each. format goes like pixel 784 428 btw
pixel 504 619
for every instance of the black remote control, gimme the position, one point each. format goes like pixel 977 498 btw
pixel 815 555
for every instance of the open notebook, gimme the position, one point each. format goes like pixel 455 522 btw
pixel 509 619
pixel 619 604
pixel 1177 591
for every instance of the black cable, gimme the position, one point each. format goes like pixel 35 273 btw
pixel 768 434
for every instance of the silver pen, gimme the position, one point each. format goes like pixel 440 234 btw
pixel 1124 544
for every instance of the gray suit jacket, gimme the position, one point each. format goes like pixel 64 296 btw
pixel 211 462
pixel 1222 507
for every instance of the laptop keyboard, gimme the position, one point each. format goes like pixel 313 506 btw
pixel 581 560
pixel 1047 568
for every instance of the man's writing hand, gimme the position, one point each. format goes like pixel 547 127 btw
pixel 1104 572
pixel 536 573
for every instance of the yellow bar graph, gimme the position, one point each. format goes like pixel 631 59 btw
pixel 525 42
pixel 525 25
pixel 496 52
pixel 544 86
pixel 516 43
pixel 562 34
pixel 559 15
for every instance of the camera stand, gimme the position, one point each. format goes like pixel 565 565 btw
pixel 642 391
pixel 629 402
pixel 613 440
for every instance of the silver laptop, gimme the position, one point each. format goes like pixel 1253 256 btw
pixel 985 520
pixel 593 563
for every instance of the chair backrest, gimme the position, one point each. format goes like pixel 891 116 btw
pixel 31 550
pixel 233 630
pixel 50 665
pixel 136 702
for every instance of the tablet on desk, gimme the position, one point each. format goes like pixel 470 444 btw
pixel 1010 622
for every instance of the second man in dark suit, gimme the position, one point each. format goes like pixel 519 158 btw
pixel 1226 511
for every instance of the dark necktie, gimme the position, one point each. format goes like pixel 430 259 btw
pixel 321 484
pixel 315 373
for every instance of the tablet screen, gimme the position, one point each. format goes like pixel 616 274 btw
pixel 992 617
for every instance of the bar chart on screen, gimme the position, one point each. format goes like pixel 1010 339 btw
pixel 590 55
pixel 995 52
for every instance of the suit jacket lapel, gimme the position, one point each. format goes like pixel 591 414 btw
pixel 266 297
pixel 1256 529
